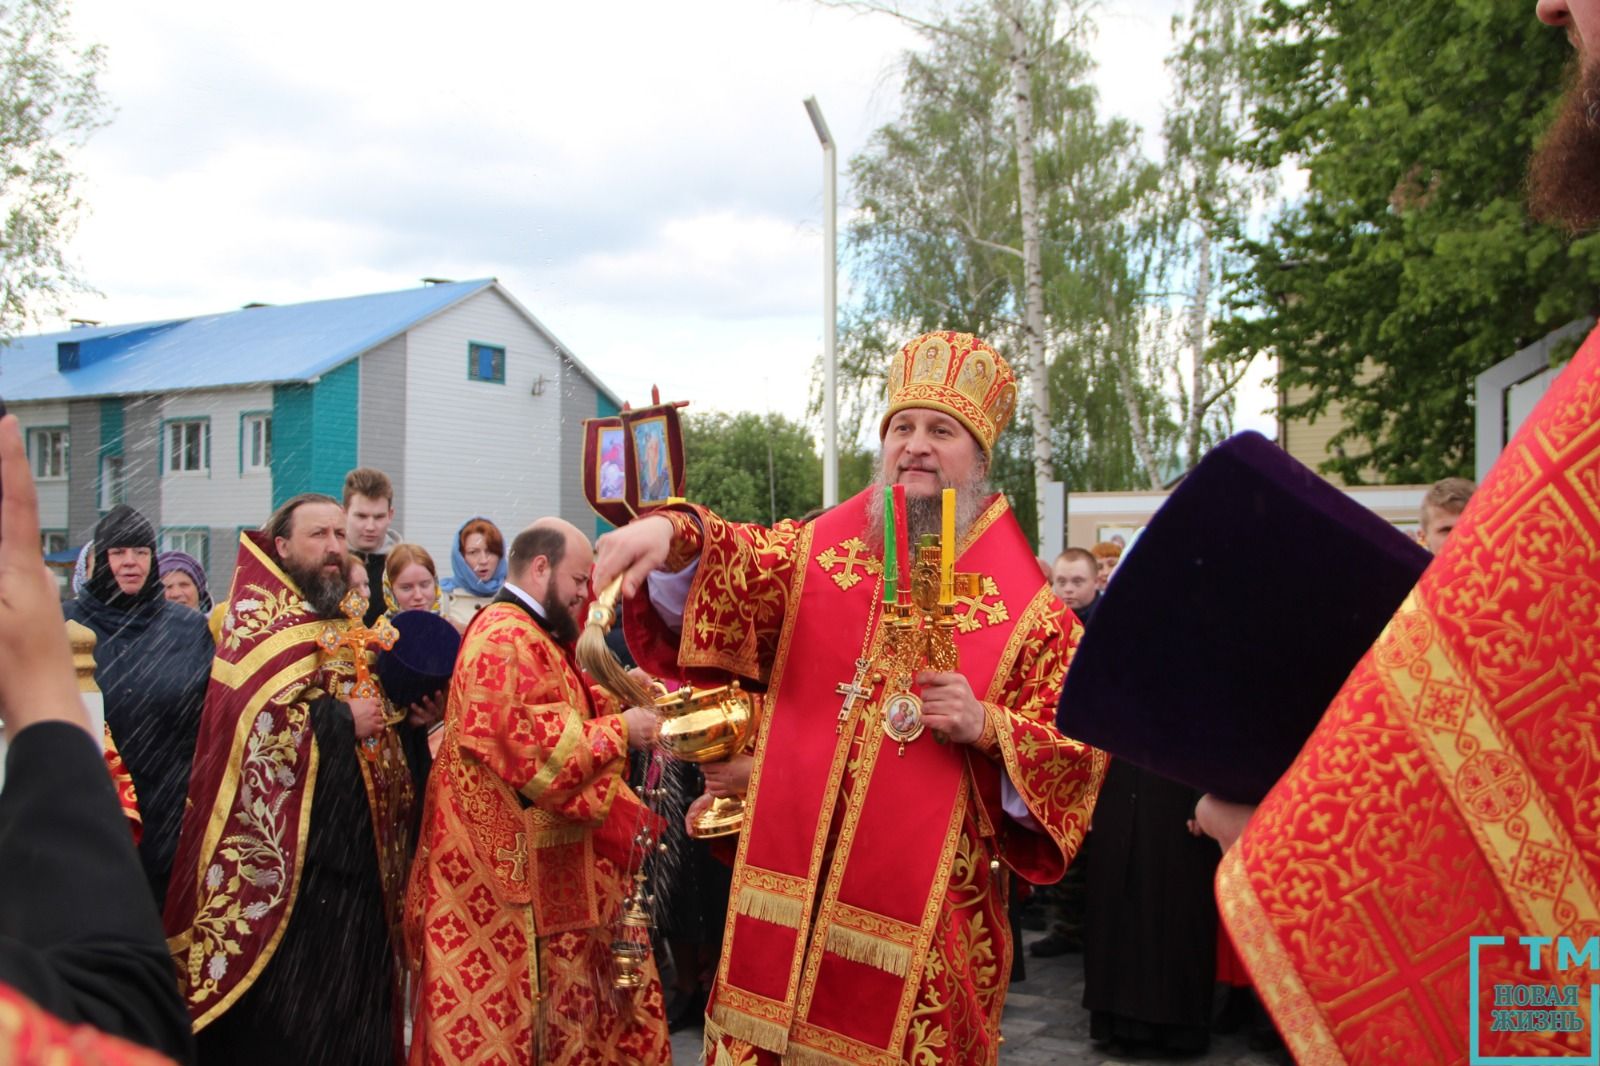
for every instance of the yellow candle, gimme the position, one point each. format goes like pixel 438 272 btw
pixel 947 550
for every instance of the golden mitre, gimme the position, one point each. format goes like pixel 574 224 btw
pixel 958 374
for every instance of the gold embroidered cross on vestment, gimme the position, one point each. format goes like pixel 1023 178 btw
pixel 517 857
pixel 850 554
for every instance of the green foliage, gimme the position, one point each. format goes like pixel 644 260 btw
pixel 49 103
pixel 728 460
pixel 1410 265
pixel 936 237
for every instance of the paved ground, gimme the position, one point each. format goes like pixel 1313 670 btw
pixel 1045 1025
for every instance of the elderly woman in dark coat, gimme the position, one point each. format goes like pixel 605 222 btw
pixel 152 663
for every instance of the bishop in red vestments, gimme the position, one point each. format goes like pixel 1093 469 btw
pixel 867 918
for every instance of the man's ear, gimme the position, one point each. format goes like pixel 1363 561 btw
pixel 279 544
pixel 539 567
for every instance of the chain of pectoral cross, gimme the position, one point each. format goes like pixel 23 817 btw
pixel 861 685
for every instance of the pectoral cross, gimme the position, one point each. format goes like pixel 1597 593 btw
pixel 517 857
pixel 853 691
pixel 351 634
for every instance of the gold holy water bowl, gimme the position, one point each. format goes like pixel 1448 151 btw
pixel 703 726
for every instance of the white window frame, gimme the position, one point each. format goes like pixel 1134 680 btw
pixel 49 446
pixel 113 491
pixel 191 540
pixel 172 448
pixel 53 540
pixel 255 426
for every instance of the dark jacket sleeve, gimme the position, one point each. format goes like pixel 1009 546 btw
pixel 79 933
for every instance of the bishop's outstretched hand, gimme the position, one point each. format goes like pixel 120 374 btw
pixel 633 551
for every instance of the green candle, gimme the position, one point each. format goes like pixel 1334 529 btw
pixel 891 572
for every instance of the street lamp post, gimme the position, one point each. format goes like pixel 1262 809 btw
pixel 830 278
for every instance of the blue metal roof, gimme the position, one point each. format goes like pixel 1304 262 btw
pixel 255 346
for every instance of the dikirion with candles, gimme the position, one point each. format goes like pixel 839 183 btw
pixel 912 655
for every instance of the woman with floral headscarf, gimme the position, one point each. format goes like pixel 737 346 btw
pixel 411 582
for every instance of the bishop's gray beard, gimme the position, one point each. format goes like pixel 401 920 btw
pixel 925 514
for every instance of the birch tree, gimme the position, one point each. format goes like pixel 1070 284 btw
pixel 49 103
pixel 986 203
pixel 1211 195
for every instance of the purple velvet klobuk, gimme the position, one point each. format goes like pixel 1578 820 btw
pixel 422 659
pixel 1232 621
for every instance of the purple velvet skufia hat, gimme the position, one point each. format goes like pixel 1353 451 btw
pixel 421 661
pixel 1232 621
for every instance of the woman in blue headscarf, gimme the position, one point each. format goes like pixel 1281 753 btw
pixel 478 563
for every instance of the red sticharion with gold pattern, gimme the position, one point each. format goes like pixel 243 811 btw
pixel 30 1034
pixel 523 864
pixel 1453 786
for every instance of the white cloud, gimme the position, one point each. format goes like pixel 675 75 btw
pixel 642 175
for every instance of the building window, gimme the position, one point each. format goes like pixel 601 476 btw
pixel 486 362
pixel 189 446
pixel 53 540
pixel 255 446
pixel 48 447
pixel 113 482
pixel 195 542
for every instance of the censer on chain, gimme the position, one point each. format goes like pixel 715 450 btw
pixel 630 948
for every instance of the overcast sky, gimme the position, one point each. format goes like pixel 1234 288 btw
pixel 642 176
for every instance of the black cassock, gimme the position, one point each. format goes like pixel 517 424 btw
pixel 1150 938
pixel 325 998
pixel 79 934
pixel 152 664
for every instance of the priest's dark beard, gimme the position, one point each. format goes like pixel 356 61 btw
pixel 323 591
pixel 925 514
pixel 1564 175
pixel 562 625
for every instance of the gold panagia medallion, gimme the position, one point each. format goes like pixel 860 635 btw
pixel 902 717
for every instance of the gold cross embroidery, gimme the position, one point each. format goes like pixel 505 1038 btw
pixel 518 858
pixel 851 556
pixel 979 611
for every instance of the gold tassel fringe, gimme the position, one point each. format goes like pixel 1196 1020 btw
pixel 872 951
pixel 769 907
pixel 566 834
pixel 769 1036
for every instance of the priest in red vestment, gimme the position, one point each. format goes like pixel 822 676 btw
pixel 528 841
pixel 867 918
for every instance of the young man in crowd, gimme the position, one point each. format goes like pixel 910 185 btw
pixel 369 512
pixel 1441 508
